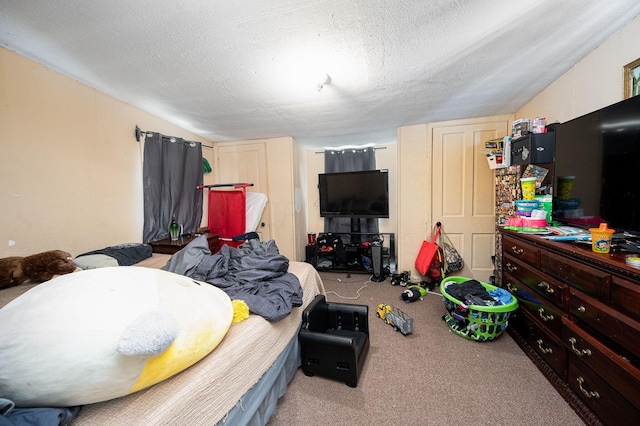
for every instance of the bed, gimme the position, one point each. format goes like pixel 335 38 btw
pixel 238 383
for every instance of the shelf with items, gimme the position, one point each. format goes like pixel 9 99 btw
pixel 527 145
pixel 495 151
pixel 507 190
pixel 351 252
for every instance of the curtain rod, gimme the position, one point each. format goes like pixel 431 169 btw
pixel 140 132
pixel 344 149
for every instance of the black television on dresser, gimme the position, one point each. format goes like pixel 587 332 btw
pixel 602 150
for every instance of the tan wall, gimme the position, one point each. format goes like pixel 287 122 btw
pixel 70 167
pixel 287 218
pixel 414 160
pixel 300 201
pixel 594 82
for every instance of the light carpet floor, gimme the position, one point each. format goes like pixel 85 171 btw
pixel 430 377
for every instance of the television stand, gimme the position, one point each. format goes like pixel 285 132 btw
pixel 331 254
pixel 355 235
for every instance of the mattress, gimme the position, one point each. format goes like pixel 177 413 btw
pixel 206 392
pixel 256 202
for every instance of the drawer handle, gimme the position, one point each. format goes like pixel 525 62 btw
pixel 546 286
pixel 582 309
pixel 583 352
pixel 512 288
pixel 544 350
pixel 543 316
pixel 588 394
pixel 517 250
pixel 510 267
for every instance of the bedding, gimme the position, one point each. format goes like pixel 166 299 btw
pixel 238 383
pixel 256 273
pixel 121 255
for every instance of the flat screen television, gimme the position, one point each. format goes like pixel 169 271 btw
pixel 602 150
pixel 363 194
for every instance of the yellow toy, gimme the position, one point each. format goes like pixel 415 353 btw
pixel 103 333
pixel 396 318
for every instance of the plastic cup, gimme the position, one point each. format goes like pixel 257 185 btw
pixel 565 186
pixel 528 188
pixel 546 202
pixel 601 238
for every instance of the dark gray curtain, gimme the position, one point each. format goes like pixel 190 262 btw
pixel 172 169
pixel 350 160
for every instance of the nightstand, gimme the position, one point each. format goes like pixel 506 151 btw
pixel 167 246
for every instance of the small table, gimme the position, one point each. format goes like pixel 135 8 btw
pixel 167 246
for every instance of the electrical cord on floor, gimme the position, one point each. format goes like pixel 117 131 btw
pixel 364 285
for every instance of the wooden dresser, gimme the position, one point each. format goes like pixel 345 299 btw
pixel 579 322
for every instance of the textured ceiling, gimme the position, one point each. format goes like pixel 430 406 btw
pixel 247 69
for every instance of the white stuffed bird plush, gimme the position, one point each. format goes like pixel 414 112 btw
pixel 103 333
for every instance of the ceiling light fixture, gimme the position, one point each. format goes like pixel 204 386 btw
pixel 324 80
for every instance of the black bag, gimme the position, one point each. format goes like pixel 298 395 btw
pixel 453 262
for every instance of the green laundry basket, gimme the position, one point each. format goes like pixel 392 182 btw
pixel 475 322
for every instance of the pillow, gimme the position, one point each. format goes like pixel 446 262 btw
pixel 125 254
pixel 103 333
pixel 92 261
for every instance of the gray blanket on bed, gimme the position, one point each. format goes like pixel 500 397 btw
pixel 125 254
pixel 255 272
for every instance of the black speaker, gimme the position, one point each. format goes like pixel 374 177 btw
pixel 376 260
pixel 310 254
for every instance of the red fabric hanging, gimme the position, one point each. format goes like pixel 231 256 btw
pixel 227 214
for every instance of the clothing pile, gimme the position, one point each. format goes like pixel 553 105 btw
pixel 472 292
pixel 254 272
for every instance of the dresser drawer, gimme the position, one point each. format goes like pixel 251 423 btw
pixel 521 251
pixel 615 330
pixel 549 288
pixel 604 400
pixel 625 297
pixel 537 306
pixel 592 281
pixel 549 347
pixel 612 368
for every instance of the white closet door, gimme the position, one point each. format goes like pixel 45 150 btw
pixel 463 190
